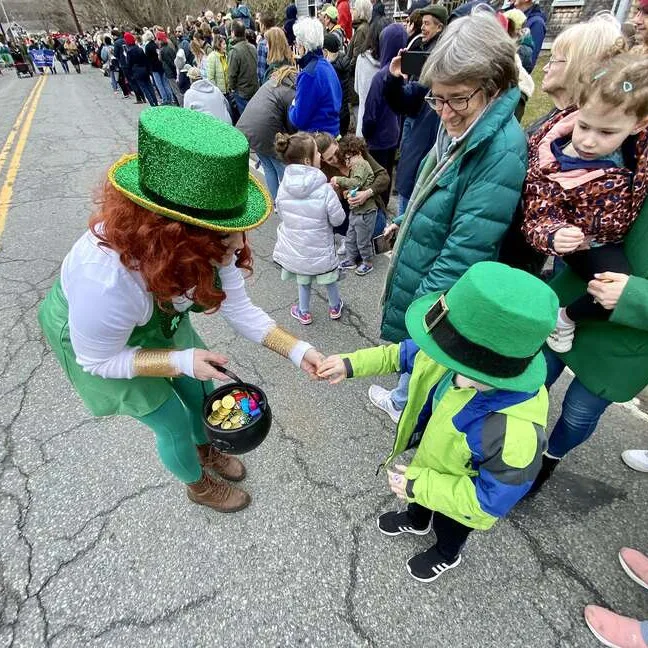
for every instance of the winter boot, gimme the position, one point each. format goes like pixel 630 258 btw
pixel 215 462
pixel 217 494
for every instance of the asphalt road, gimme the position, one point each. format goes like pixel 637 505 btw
pixel 99 546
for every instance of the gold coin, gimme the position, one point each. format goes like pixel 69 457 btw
pixel 213 421
pixel 236 426
pixel 216 405
pixel 226 425
pixel 223 411
pixel 229 402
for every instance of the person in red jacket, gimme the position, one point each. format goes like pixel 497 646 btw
pixel 344 17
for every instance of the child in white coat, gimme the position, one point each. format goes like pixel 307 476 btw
pixel 309 209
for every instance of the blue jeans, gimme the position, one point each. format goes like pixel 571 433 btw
pixel 146 88
pixel 581 411
pixel 399 395
pixel 163 87
pixel 113 80
pixel 240 102
pixel 273 170
pixel 305 294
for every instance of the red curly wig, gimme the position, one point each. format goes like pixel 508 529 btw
pixel 171 256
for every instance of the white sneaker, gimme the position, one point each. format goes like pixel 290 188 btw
pixel 562 338
pixel 636 459
pixel 381 398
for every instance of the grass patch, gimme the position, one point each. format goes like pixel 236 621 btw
pixel 540 103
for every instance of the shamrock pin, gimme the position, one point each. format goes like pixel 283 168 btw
pixel 175 322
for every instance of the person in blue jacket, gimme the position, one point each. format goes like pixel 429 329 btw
pixel 381 126
pixel 318 94
pixel 536 24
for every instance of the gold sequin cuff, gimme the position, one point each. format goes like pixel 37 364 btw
pixel 280 341
pixel 154 362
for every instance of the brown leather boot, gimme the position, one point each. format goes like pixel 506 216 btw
pixel 215 462
pixel 218 494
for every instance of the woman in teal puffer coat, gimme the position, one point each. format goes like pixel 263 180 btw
pixel 469 184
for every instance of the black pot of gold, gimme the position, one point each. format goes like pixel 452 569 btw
pixel 236 416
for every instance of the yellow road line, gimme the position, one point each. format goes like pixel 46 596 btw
pixel 7 188
pixel 4 154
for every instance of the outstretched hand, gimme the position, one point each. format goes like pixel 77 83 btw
pixel 311 362
pixel 332 369
pixel 397 481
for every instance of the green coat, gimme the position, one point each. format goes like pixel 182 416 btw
pixel 459 216
pixel 479 452
pixel 242 69
pixel 611 357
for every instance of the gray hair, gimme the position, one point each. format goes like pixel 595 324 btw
pixel 473 49
pixel 362 10
pixel 147 36
pixel 309 32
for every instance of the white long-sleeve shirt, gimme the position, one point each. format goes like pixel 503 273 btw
pixel 107 302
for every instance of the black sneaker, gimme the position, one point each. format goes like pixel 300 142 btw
pixel 429 565
pixel 394 523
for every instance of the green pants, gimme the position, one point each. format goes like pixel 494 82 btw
pixel 177 424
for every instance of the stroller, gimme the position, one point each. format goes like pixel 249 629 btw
pixel 22 67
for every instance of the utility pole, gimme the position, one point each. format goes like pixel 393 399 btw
pixel 76 20
pixel 7 21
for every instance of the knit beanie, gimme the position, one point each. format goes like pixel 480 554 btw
pixel 161 36
pixel 129 39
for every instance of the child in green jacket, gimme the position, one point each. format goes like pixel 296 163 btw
pixel 476 409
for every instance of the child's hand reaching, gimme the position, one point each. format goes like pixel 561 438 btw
pixel 332 369
pixel 397 481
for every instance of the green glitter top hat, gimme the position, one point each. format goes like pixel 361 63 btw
pixel 193 168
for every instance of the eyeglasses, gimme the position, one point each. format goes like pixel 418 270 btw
pixel 551 61
pixel 458 104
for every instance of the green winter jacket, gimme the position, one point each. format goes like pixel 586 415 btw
pixel 458 213
pixel 242 69
pixel 479 452
pixel 611 357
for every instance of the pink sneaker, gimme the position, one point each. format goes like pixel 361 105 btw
pixel 635 564
pixel 303 318
pixel 613 629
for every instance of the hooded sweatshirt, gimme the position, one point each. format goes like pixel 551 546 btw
pixel 380 124
pixel 205 97
pixel 291 19
pixel 309 209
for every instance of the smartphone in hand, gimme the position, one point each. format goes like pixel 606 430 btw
pixel 412 63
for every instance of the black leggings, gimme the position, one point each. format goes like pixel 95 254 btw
pixel 451 535
pixel 587 263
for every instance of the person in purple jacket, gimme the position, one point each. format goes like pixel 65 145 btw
pixel 318 95
pixel 380 124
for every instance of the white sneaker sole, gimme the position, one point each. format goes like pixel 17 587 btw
pixel 630 573
pixel 639 467
pixel 402 530
pixel 600 637
pixel 382 408
pixel 456 563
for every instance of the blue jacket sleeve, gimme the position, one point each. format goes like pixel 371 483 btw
pixel 538 30
pixel 303 106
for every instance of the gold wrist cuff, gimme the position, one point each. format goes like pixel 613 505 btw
pixel 154 362
pixel 280 341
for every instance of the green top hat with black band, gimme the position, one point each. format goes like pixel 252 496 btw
pixel 193 168
pixel 490 326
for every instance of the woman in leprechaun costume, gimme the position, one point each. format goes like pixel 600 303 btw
pixel 168 238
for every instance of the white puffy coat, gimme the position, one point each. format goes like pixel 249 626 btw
pixel 309 209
